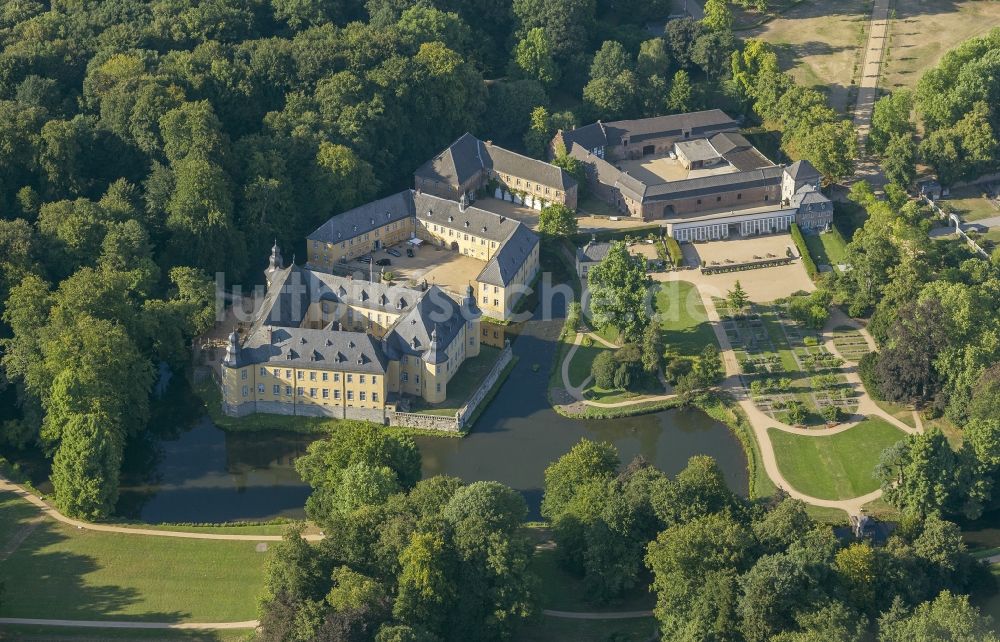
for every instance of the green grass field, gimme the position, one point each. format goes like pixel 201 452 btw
pixel 66 573
pixel 686 330
pixel 827 248
pixel 971 204
pixel 72 634
pixel 838 466
pixel 579 367
pixel 464 382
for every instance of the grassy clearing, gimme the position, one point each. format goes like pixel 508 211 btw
pixel 583 358
pixel 971 204
pixel 72 634
pixel 924 31
pixel 837 466
pixel 62 572
pixel 826 248
pixel 898 411
pixel 819 44
pixel 990 605
pixel 561 590
pixel 682 317
pixel 464 382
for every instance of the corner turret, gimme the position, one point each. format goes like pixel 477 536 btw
pixel 232 350
pixel 275 263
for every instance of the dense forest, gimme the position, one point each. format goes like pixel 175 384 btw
pixel 147 146
pixel 437 560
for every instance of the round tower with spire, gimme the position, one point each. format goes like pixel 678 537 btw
pixel 435 371
pixel 473 318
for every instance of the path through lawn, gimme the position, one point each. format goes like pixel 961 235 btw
pixel 838 466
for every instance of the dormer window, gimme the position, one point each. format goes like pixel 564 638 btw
pixel 451 218
pixel 430 213
pixel 466 224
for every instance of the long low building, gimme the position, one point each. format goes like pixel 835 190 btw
pixel 697 174
pixel 470 166
pixel 508 249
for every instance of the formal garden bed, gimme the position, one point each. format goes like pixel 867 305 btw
pixel 849 343
pixel 788 373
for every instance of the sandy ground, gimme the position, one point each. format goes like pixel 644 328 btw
pixel 526 215
pixel 765 284
pixel 924 30
pixel 442 267
pixel 645 250
pixel 819 42
pixel 739 250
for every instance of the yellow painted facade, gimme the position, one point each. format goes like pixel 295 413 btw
pixel 327 255
pixel 270 382
pixel 498 301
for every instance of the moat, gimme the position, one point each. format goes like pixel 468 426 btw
pixel 203 474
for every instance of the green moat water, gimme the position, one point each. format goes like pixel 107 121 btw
pixel 201 473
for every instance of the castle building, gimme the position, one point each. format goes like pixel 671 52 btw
pixel 325 345
pixel 469 166
pixel 697 174
pixel 508 249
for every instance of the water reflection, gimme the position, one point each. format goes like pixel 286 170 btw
pixel 206 475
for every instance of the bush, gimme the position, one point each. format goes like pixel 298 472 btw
pixel 800 244
pixel 867 372
pixel 674 249
pixel 831 413
pixel 796 413
pixel 810 341
pixel 603 370
pixel 677 368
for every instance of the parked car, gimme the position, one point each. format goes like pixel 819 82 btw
pixel 365 259
pixel 392 252
pixel 409 252
pixel 383 262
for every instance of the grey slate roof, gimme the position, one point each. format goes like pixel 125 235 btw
pixel 468 156
pixel 802 170
pixel 706 185
pixel 699 123
pixel 443 211
pixel 435 312
pixel 501 269
pixel 809 195
pixel 593 252
pixel 319 349
pixel 363 294
pixel 364 218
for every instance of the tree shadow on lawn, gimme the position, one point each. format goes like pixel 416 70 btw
pixel 50 584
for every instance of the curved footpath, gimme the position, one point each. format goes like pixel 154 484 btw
pixel 760 421
pixel 49 511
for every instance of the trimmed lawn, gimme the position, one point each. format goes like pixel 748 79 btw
pixel 826 248
pixel 61 572
pixel 837 466
pixel 464 382
pixel 971 204
pixel 686 330
pixel 71 634
pixel 579 367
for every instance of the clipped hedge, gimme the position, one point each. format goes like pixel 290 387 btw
pixel 807 259
pixel 674 248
